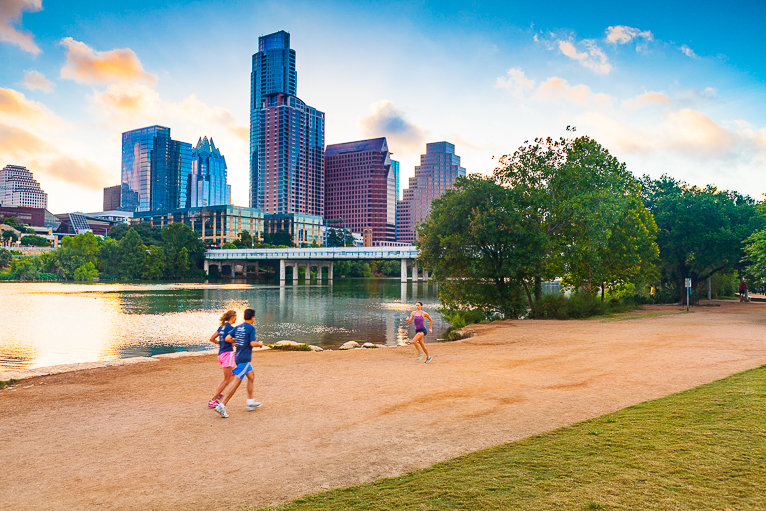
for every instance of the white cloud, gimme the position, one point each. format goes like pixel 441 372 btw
pixel 687 51
pixel 10 14
pixel 555 90
pixel 86 65
pixel 648 99
pixel 35 80
pixel 515 82
pixel 620 34
pixel 594 58
pixel 390 122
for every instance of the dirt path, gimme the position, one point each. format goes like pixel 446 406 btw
pixel 142 437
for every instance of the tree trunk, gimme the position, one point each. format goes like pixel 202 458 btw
pixel 538 288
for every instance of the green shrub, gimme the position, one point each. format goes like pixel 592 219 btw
pixel 290 347
pixel 582 305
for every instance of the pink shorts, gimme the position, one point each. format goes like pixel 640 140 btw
pixel 226 359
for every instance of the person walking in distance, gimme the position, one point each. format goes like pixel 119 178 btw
pixel 243 336
pixel 225 353
pixel 419 316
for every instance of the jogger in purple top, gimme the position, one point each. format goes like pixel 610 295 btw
pixel 419 316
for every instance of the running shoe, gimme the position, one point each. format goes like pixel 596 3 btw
pixel 221 409
pixel 253 406
pixel 212 403
pixel 429 359
pixel 220 396
pixel 420 356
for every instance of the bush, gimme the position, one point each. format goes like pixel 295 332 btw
pixel 35 241
pixel 290 347
pixel 582 305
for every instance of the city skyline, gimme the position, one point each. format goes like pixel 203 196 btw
pixel 676 89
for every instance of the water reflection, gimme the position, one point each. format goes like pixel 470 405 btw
pixel 81 323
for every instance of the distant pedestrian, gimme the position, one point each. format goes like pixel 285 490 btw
pixel 742 290
pixel 225 353
pixel 243 336
pixel 419 316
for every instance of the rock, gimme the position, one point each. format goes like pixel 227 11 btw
pixel 372 345
pixel 287 343
pixel 315 349
pixel 350 345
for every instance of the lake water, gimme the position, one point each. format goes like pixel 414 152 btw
pixel 43 324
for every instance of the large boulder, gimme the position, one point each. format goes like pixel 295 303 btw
pixel 350 345
pixel 372 345
pixel 315 349
pixel 287 343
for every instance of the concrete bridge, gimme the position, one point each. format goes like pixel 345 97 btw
pixel 319 258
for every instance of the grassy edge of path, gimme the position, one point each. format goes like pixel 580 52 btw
pixel 701 449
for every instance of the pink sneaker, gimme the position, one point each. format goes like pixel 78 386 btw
pixel 220 396
pixel 212 403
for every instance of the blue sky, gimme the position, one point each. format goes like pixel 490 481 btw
pixel 667 87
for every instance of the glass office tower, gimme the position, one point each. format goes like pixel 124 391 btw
pixel 392 201
pixel 273 72
pixel 286 135
pixel 438 170
pixel 155 170
pixel 207 181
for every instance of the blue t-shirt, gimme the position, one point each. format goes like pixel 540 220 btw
pixel 244 334
pixel 223 331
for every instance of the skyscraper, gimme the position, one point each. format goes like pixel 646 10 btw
pixel 112 198
pixel 395 172
pixel 207 181
pixel 19 188
pixel 155 170
pixel 360 187
pixel 438 170
pixel 286 135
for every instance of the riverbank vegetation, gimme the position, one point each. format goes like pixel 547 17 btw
pixel 704 448
pixel 569 210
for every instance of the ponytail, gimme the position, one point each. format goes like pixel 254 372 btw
pixel 227 316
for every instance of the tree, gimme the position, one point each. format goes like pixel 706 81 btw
pixel 155 263
pixel 484 245
pixel 75 251
pixel 339 238
pixel 109 256
pixel 86 272
pixel 31 240
pixel 179 237
pixel 10 236
pixel 149 234
pixel 229 246
pixel 245 240
pixel 280 238
pixel 5 258
pixel 700 230
pixel 133 255
pixel 27 268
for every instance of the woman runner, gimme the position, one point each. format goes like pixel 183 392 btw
pixel 225 353
pixel 420 330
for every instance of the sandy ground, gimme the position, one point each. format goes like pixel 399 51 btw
pixel 141 436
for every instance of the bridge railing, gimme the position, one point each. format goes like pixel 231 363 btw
pixel 406 252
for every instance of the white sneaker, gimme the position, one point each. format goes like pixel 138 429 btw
pixel 428 359
pixel 221 409
pixel 253 406
pixel 420 356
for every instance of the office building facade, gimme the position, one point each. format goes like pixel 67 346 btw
pixel 18 187
pixel 360 187
pixel 208 179
pixel 112 196
pixel 155 170
pixel 286 135
pixel 437 172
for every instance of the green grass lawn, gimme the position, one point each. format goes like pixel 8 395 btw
pixel 703 449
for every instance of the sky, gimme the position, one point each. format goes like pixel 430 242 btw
pixel 674 88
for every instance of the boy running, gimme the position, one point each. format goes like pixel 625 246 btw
pixel 244 338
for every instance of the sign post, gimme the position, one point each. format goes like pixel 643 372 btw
pixel 688 292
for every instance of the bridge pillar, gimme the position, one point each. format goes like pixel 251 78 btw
pixel 320 266
pixel 415 276
pixel 404 270
pixel 425 275
pixel 207 267
pixel 329 273
pixel 256 268
pixel 282 271
pixel 233 268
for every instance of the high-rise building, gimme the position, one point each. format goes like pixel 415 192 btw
pixel 112 195
pixel 18 187
pixel 286 135
pixel 360 187
pixel 155 170
pixel 395 172
pixel 207 181
pixel 438 170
